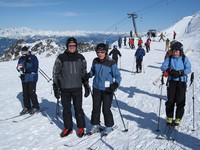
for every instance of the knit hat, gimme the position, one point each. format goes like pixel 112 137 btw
pixel 71 40
pixel 24 50
pixel 101 46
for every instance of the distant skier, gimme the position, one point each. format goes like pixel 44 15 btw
pixel 115 53
pixel 147 45
pixel 139 54
pixel 131 34
pixel 140 41
pixel 174 35
pixel 106 80
pixel 161 37
pixel 167 45
pixel 177 68
pixel 28 68
pixel 120 42
pixel 125 41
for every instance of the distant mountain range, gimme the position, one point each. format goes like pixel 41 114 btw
pixel 9 36
pixel 11 40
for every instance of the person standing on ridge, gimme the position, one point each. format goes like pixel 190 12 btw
pixel 28 67
pixel 68 76
pixel 177 67
pixel 106 80
pixel 174 35
pixel 139 54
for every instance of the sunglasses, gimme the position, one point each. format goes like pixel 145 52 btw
pixel 101 52
pixel 71 45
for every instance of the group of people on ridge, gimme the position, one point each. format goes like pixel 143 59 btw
pixel 70 74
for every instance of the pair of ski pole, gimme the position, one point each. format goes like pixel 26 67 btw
pixel 44 75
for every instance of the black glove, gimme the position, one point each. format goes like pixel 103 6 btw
pixel 173 73
pixel 87 90
pixel 113 87
pixel 27 70
pixel 22 76
pixel 181 73
pixel 86 77
pixel 56 91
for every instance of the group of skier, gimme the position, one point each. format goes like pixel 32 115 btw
pixel 70 74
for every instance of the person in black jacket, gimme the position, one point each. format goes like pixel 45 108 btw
pixel 115 52
pixel 68 75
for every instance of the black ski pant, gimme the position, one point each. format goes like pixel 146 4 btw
pixel 76 97
pixel 29 95
pixel 104 99
pixel 116 60
pixel 176 95
pixel 138 65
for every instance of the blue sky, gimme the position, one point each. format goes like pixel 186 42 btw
pixel 92 15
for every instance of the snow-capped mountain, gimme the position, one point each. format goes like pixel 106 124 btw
pixel 10 38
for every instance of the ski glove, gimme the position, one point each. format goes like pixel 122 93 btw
pixel 175 73
pixel 113 87
pixel 56 91
pixel 87 90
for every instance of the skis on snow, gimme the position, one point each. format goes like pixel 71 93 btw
pixel 89 135
pixel 170 133
pixel 28 116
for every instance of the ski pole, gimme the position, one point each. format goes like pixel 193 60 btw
pixel 45 75
pixel 57 105
pixel 57 109
pixel 125 129
pixel 133 64
pixel 158 125
pixel 120 61
pixel 192 82
pixel 143 67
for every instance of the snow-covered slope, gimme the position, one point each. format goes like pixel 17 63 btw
pixel 137 96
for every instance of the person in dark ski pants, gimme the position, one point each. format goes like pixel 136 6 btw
pixel 139 54
pixel 28 67
pixel 106 80
pixel 68 75
pixel 115 52
pixel 177 69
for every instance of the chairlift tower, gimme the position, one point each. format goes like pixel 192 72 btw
pixel 134 16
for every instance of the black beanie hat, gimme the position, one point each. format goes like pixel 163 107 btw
pixel 101 46
pixel 25 49
pixel 71 40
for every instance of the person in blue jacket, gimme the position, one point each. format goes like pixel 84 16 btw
pixel 106 80
pixel 28 67
pixel 139 54
pixel 177 69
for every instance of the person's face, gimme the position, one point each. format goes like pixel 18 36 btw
pixel 72 47
pixel 101 54
pixel 176 53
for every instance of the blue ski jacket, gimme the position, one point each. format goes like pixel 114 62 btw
pixel 104 72
pixel 139 54
pixel 177 64
pixel 28 68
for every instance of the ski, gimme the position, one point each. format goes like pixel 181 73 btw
pixel 94 143
pixel 174 134
pixel 103 135
pixel 17 116
pixel 85 138
pixel 29 116
pixel 170 133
